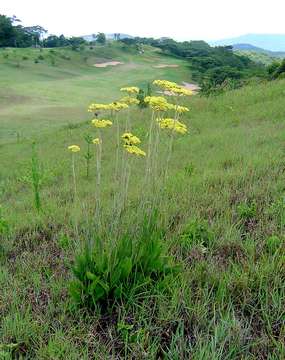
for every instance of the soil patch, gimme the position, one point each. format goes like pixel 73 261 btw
pixel 108 63
pixel 162 66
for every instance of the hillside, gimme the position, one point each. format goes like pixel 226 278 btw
pixel 219 219
pixel 271 42
pixel 31 90
pixel 255 49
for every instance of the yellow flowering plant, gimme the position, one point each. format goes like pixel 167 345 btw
pixel 101 123
pixel 130 89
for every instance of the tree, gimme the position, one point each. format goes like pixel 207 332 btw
pixel 36 32
pixel 7 32
pixel 101 38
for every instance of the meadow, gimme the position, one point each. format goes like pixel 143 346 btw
pixel 219 216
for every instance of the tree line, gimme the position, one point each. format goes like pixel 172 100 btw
pixel 13 34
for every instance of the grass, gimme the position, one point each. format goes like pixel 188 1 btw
pixel 222 215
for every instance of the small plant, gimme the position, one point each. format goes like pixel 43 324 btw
pixel 196 232
pixel 36 61
pixel 88 155
pixel 74 149
pixel 189 169
pixel 4 227
pixel 273 243
pixel 36 177
pixel 247 210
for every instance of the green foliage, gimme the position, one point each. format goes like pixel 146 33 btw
pixel 101 38
pixel 4 227
pixel 88 155
pixel 124 269
pixel 143 94
pixel 36 175
pixel 212 64
pixel 276 70
pixel 273 243
pixel 247 210
pixel 197 232
pixel 13 34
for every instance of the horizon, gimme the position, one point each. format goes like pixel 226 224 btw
pixel 153 19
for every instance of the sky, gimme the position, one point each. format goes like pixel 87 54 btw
pixel 178 19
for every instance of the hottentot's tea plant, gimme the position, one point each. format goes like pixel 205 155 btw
pixel 118 264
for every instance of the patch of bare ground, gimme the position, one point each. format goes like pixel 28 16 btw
pixel 108 63
pixel 162 66
pixel 189 86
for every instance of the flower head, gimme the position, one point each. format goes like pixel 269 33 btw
pixel 172 124
pixel 157 103
pixel 165 84
pixel 96 141
pixel 102 123
pixel 129 100
pixel 130 139
pixel 172 87
pixel 74 148
pixel 180 109
pixel 130 89
pixel 132 149
pixel 117 106
pixel 95 107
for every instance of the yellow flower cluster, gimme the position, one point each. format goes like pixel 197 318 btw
pixel 165 84
pixel 180 109
pixel 115 106
pixel 158 103
pixel 96 141
pixel 130 139
pixel 95 107
pixel 172 87
pixel 132 149
pixel 74 148
pixel 172 124
pixel 102 123
pixel 130 89
pixel 129 100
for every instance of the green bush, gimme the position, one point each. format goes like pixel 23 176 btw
pixel 106 273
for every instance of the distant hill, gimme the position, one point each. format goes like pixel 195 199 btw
pixel 254 49
pixel 108 36
pixel 271 42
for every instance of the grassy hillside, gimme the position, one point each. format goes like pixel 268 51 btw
pixel 222 216
pixel 55 91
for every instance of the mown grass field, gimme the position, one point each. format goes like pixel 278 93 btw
pixel 222 213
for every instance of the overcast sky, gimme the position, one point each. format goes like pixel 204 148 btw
pixel 179 19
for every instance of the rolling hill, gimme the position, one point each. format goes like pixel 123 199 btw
pixel 271 42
